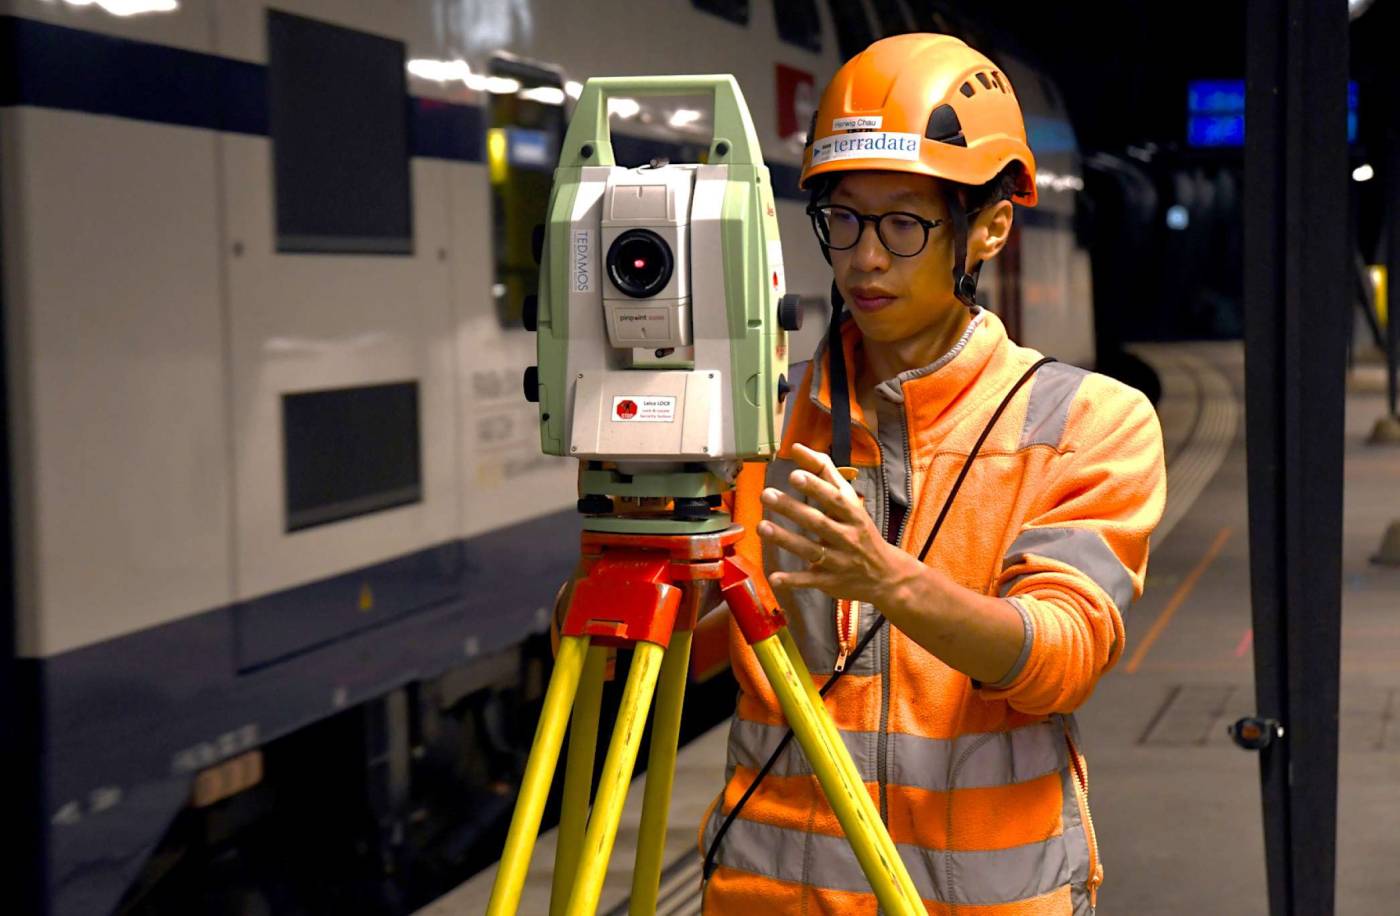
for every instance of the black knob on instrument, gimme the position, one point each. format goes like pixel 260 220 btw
pixel 532 384
pixel 790 312
pixel 530 313
pixel 595 504
pixel 537 243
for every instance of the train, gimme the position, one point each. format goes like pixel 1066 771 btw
pixel 282 544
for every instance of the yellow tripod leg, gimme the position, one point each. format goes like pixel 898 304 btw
pixel 578 778
pixel 824 718
pixel 661 775
pixel 842 757
pixel 617 775
pixel 854 809
pixel 539 773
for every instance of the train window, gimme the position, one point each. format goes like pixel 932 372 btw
pixel 349 452
pixel 525 133
pixel 736 11
pixel 337 115
pixel 853 33
pixel 890 15
pixel 798 23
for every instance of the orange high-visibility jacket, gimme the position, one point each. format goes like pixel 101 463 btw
pixel 982 786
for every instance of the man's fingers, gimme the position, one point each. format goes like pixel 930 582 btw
pixel 792 580
pixel 821 465
pixel 803 548
pixel 808 517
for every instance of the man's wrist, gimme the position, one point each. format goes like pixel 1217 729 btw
pixel 907 587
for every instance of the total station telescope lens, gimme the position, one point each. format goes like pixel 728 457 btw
pixel 640 263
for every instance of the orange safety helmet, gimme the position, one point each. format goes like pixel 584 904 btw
pixel 925 104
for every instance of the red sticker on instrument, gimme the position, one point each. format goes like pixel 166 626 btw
pixel 644 408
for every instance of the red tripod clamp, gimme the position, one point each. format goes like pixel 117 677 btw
pixel 642 587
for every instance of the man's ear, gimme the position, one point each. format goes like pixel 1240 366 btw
pixel 989 232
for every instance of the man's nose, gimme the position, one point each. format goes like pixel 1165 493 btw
pixel 870 253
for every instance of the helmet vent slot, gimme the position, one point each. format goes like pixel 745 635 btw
pixel 944 126
pixel 1001 84
pixel 986 83
pixel 967 89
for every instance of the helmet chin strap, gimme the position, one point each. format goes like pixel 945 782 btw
pixel 840 393
pixel 964 281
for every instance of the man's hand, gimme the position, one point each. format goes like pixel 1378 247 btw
pixel 846 554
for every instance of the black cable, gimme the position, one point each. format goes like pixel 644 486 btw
pixel 880 620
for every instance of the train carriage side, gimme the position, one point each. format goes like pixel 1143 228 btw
pixel 241 245
pixel 231 263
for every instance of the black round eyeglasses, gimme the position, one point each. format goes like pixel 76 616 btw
pixel 903 234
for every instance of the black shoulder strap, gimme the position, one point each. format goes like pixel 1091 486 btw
pixel 840 398
pixel 713 851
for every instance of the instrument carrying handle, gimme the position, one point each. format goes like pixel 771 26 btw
pixel 589 138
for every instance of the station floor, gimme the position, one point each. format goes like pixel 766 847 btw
pixel 1176 805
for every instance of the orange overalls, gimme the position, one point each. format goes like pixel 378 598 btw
pixel 982 786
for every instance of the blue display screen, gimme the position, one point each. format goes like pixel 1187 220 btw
pixel 1215 96
pixel 530 149
pixel 1215 113
pixel 1215 130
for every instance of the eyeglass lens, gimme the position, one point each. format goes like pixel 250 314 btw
pixel 901 233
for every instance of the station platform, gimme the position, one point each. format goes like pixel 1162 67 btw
pixel 1176 805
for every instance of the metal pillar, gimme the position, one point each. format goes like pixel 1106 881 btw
pixel 1297 297
pixel 1392 249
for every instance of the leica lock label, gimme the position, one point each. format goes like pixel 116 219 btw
pixel 644 409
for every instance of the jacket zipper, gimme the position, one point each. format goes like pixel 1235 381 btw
pixel 847 626
pixel 847 611
pixel 882 746
pixel 1080 776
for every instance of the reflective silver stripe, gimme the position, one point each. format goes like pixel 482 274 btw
pixel 977 877
pixel 1052 393
pixel 1081 548
pixel 752 743
pixel 1027 640
pixel 982 760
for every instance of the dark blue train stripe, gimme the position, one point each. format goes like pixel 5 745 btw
pixel 52 66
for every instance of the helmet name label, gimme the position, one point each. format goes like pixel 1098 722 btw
pixel 871 145
pixel 864 122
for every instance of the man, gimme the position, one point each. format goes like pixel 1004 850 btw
pixel 957 708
